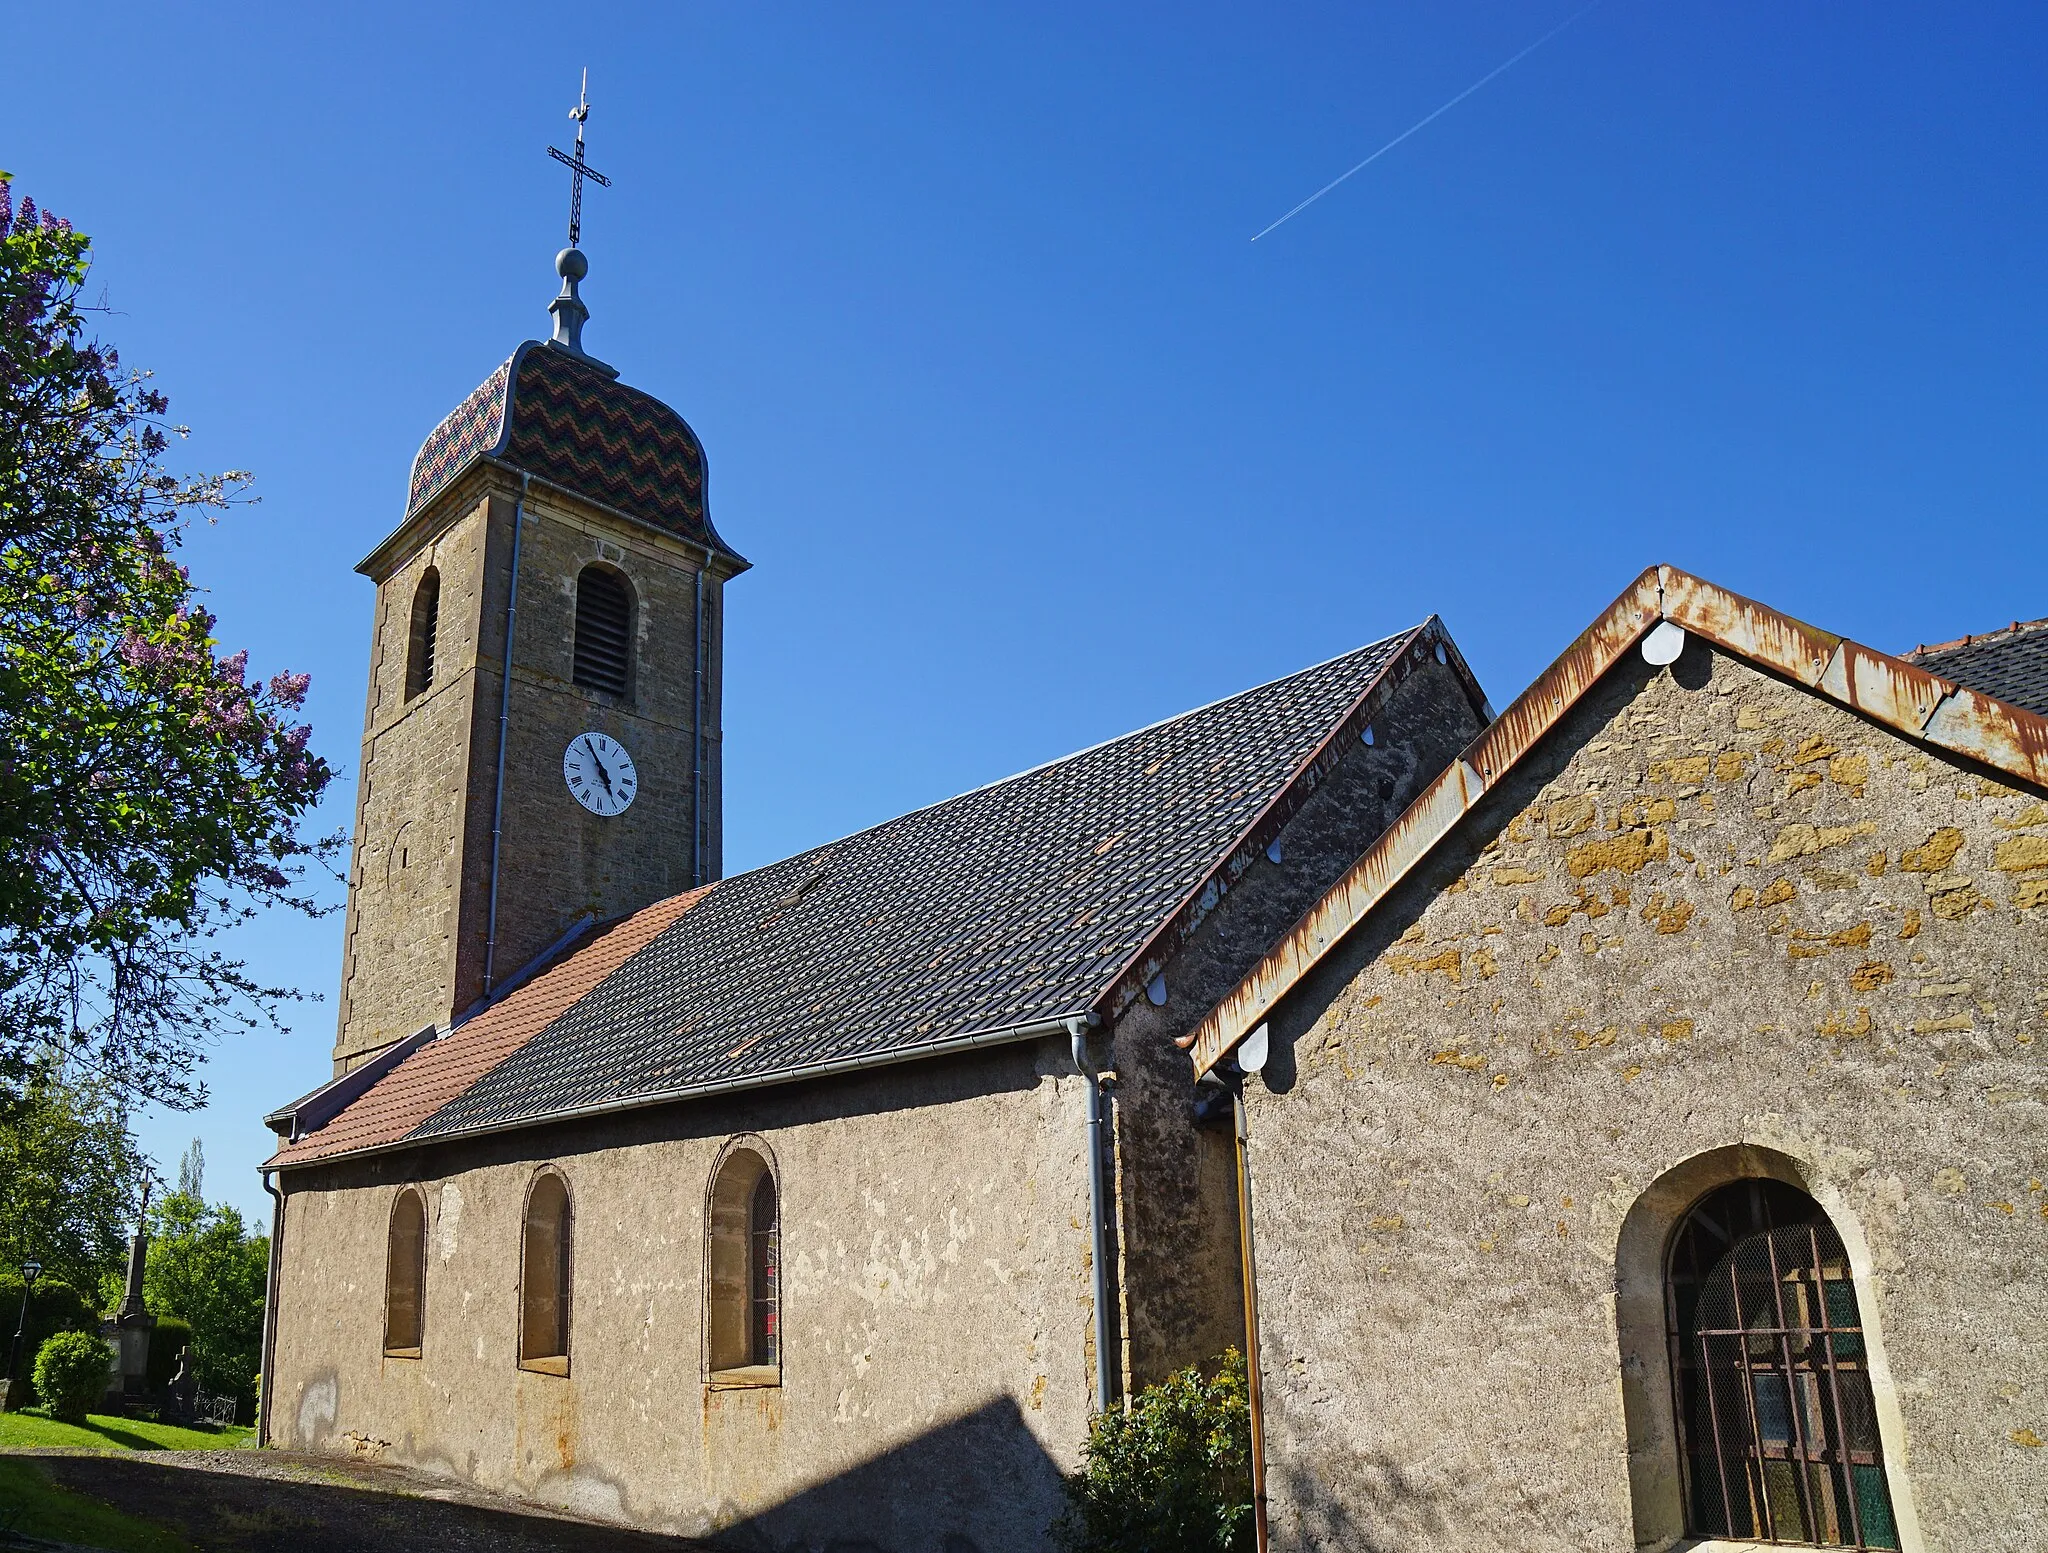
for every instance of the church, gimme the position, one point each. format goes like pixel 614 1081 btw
pixel 1613 1124
pixel 838 1194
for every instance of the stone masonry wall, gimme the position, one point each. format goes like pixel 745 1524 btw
pixel 419 901
pixel 558 860
pixel 405 873
pixel 1177 1185
pixel 1711 910
pixel 936 1314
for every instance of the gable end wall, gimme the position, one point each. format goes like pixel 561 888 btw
pixel 1711 909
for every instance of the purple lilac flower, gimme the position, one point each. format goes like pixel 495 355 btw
pixel 289 689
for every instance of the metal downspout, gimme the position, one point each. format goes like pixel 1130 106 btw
pixel 504 723
pixel 697 737
pixel 1241 1127
pixel 1098 1215
pixel 267 1373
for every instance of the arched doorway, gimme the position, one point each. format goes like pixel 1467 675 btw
pixel 1777 1422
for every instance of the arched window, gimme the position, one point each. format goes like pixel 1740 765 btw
pixel 426 624
pixel 544 1277
pixel 743 1271
pixel 405 1275
pixel 1777 1423
pixel 604 630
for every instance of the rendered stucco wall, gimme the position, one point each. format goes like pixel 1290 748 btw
pixel 1711 913
pixel 936 1314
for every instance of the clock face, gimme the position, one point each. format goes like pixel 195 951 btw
pixel 600 773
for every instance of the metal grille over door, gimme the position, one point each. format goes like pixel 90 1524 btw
pixel 1776 1416
pixel 604 619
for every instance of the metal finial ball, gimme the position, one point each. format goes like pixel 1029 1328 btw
pixel 571 265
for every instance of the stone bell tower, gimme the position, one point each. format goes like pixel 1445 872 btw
pixel 557 521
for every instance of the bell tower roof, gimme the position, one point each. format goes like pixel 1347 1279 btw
pixel 569 422
pixel 556 413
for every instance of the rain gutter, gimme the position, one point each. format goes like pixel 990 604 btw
pixel 504 725
pixel 697 847
pixel 1039 1029
pixel 1254 1392
pixel 1098 1216
pixel 265 1373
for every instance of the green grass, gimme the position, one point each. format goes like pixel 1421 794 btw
pixel 61 1516
pixel 27 1431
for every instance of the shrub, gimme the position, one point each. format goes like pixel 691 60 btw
pixel 1168 1472
pixel 53 1307
pixel 71 1374
pixel 171 1335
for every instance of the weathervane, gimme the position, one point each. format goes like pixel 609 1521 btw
pixel 578 168
pixel 569 312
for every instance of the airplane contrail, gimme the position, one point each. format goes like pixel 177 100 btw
pixel 1439 113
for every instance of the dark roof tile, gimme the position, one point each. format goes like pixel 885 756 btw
pixel 1017 902
pixel 2010 665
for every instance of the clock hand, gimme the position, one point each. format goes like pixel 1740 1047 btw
pixel 603 775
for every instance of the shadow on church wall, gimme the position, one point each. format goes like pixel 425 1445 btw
pixel 981 1483
pixel 1311 1513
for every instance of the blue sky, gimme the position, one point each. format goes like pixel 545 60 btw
pixel 1029 443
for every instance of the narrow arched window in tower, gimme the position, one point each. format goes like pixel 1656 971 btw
pixel 426 625
pixel 604 626
pixel 544 1277
pixel 743 1272
pixel 1777 1421
pixel 405 1275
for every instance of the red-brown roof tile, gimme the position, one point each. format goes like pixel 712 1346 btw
pixel 439 1071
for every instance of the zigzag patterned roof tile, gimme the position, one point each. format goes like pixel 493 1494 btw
pixel 574 426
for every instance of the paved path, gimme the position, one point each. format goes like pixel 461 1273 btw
pixel 250 1501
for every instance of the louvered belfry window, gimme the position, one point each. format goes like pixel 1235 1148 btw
pixel 604 623
pixel 1777 1421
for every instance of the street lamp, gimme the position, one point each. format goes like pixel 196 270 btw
pixel 30 1272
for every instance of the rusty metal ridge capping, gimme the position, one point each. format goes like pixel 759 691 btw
pixel 1167 940
pixel 1920 705
pixel 1425 822
pixel 1037 1029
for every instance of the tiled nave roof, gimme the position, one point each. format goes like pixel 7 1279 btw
pixel 439 1071
pixel 1031 899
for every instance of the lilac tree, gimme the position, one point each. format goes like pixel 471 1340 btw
pixel 151 794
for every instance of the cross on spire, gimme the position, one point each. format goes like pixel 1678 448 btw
pixel 578 168
pixel 568 310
